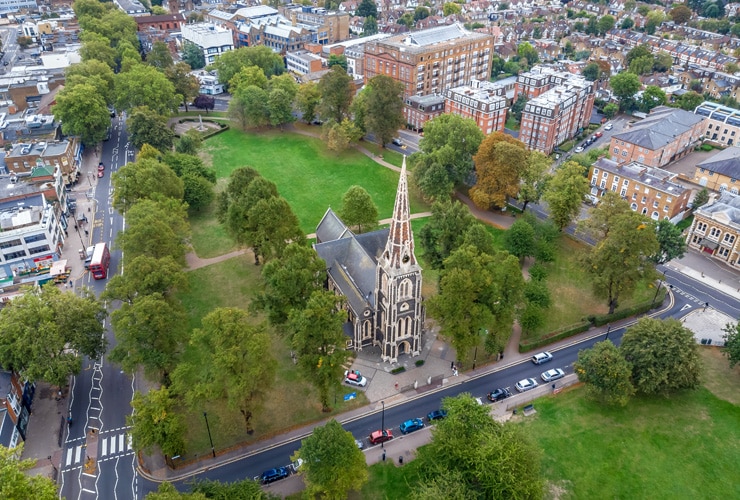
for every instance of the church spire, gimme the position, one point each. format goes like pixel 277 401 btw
pixel 399 250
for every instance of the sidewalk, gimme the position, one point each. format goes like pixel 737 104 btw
pixel 47 426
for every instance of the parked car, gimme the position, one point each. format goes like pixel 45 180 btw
pixel 499 394
pixel 381 436
pixel 353 377
pixel 397 141
pixel 579 149
pixel 272 475
pixel 526 384
pixel 552 375
pixel 101 166
pixel 101 173
pixel 436 415
pixel 608 126
pixel 359 444
pixel 598 134
pixel 411 425
pixel 541 357
pixel 594 200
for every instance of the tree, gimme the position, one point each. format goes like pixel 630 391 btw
pixel 527 53
pixel 155 421
pixel 318 339
pixel 189 143
pixel 237 367
pixel 622 258
pixel 680 14
pixel 145 86
pixel 367 8
pixel 237 186
pixel 652 97
pixel 45 333
pixel 627 23
pixel 207 102
pixel 98 47
pixel 92 72
pixel 451 8
pixel 534 178
pixel 159 57
pixel 625 85
pixel 147 126
pixel 431 178
pixel 732 343
pixel 193 55
pixel 499 165
pixel 146 275
pixel 186 85
pixel 339 136
pixel 663 62
pixel 288 282
pixel 480 456
pixel 279 107
pixel 605 24
pixel 607 375
pixel 654 19
pixel 249 107
pixel 336 89
pixel 144 179
pixel 700 199
pixel 338 60
pixel 198 191
pixel 690 100
pixel 407 19
pixel 370 26
pixel 642 65
pixel 16 482
pixel 157 228
pixel 671 242
pixel 333 465
pixel 384 113
pixel 664 356
pixel 248 75
pixel 564 193
pixel 591 72
pixel 358 209
pixel 518 107
pixel 519 240
pixel 166 491
pixel 83 112
pixel 150 333
pixel 610 110
pixel 230 63
pixel 308 99
pixel 444 232
pixel 246 489
pixel 637 52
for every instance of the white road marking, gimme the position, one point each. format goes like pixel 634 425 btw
pixel 68 461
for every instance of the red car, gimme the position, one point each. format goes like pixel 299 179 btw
pixel 101 166
pixel 101 173
pixel 378 437
pixel 599 134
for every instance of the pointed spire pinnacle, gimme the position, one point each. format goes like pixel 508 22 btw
pixel 399 250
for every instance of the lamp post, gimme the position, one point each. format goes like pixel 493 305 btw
pixel 53 467
pixel 213 450
pixel 475 357
pixel 382 422
pixel 660 283
pixel 608 329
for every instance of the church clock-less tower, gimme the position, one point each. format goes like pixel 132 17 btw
pixel 400 314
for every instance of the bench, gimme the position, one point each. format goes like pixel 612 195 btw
pixel 529 410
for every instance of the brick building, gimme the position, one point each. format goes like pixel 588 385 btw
pixel 483 101
pixel 720 172
pixel 716 229
pixel 649 191
pixel 666 135
pixel 24 157
pixel 559 105
pixel 420 109
pixel 325 26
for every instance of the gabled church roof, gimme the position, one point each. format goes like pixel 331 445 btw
pixel 331 227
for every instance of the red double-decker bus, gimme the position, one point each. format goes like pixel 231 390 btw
pixel 100 261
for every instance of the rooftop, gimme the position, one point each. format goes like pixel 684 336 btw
pixel 726 207
pixel 660 128
pixel 726 162
pixel 657 178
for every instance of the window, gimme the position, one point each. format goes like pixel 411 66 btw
pixel 634 196
pixel 655 216
pixel 34 237
pixel 14 255
pixel 701 227
pixel 729 238
pixel 665 208
pixel 644 200
pixel 659 195
pixel 715 232
pixel 10 243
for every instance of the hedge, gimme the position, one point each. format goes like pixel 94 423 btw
pixel 555 336
pixel 635 310
pixel 398 370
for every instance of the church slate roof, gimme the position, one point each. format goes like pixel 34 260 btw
pixel 331 227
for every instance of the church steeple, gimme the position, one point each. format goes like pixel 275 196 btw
pixel 399 250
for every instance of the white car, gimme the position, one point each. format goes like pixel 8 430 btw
pixel 526 384
pixel 353 377
pixel 608 126
pixel 541 357
pixel 552 375
pixel 579 149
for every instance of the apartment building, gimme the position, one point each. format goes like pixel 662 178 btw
pixel 21 158
pixel 419 109
pixel 211 39
pixel 716 229
pixel 483 101
pixel 559 105
pixel 430 61
pixel 722 123
pixel 326 26
pixel 720 172
pixel 16 397
pixel 649 191
pixel 304 62
pixel 666 135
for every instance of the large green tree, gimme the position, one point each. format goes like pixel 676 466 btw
pixel 237 363
pixel 384 115
pixel 97 47
pixel 160 56
pixel 156 422
pixel 732 343
pixel 45 332
pixel 690 100
pixel 664 356
pixel 155 228
pixel 92 72
pixel 144 85
pixel 230 63
pixel 336 89
pixel 280 107
pixel 499 165
pixel 444 232
pixel 367 8
pixel 652 97
pixel 193 56
pixel 482 457
pixel 288 282
pixel 246 489
pixel 144 179
pixel 519 240
pixel 308 99
pixel 186 85
pixel 564 193
pixel 318 339
pixel 17 483
pixel 332 464
pixel 83 112
pixel 534 178
pixel 249 107
pixel 358 210
pixel 146 275
pixel 607 375
pixel 671 241
pixel 625 85
pixel 147 126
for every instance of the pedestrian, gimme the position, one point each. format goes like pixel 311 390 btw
pixel 452 365
pixel 383 455
pixel 454 371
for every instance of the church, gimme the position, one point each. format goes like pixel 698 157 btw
pixel 380 278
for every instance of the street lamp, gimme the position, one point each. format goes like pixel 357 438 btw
pixel 660 283
pixel 213 450
pixel 608 329
pixel 53 467
pixel 382 423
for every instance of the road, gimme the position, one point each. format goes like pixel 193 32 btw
pixel 688 294
pixel 97 462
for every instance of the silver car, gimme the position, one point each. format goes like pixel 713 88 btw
pixel 552 375
pixel 526 384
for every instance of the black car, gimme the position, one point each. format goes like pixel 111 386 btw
pixel 499 394
pixel 436 415
pixel 272 475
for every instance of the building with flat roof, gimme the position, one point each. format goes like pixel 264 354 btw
pixel 430 61
pixel 419 109
pixel 483 101
pixel 649 190
pixel 559 105
pixel 303 62
pixel 716 229
pixel 666 135
pixel 11 6
pixel 720 172
pixel 722 123
pixel 211 39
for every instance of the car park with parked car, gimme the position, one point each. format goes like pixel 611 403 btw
pixel 499 394
pixel 411 425
pixel 552 375
pixel 541 357
pixel 353 377
pixel 526 384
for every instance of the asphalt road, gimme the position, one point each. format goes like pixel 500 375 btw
pixel 101 394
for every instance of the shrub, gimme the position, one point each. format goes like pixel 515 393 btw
pixel 419 362
pixel 554 336
pixel 398 370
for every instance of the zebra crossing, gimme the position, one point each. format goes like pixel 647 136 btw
pixel 110 445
